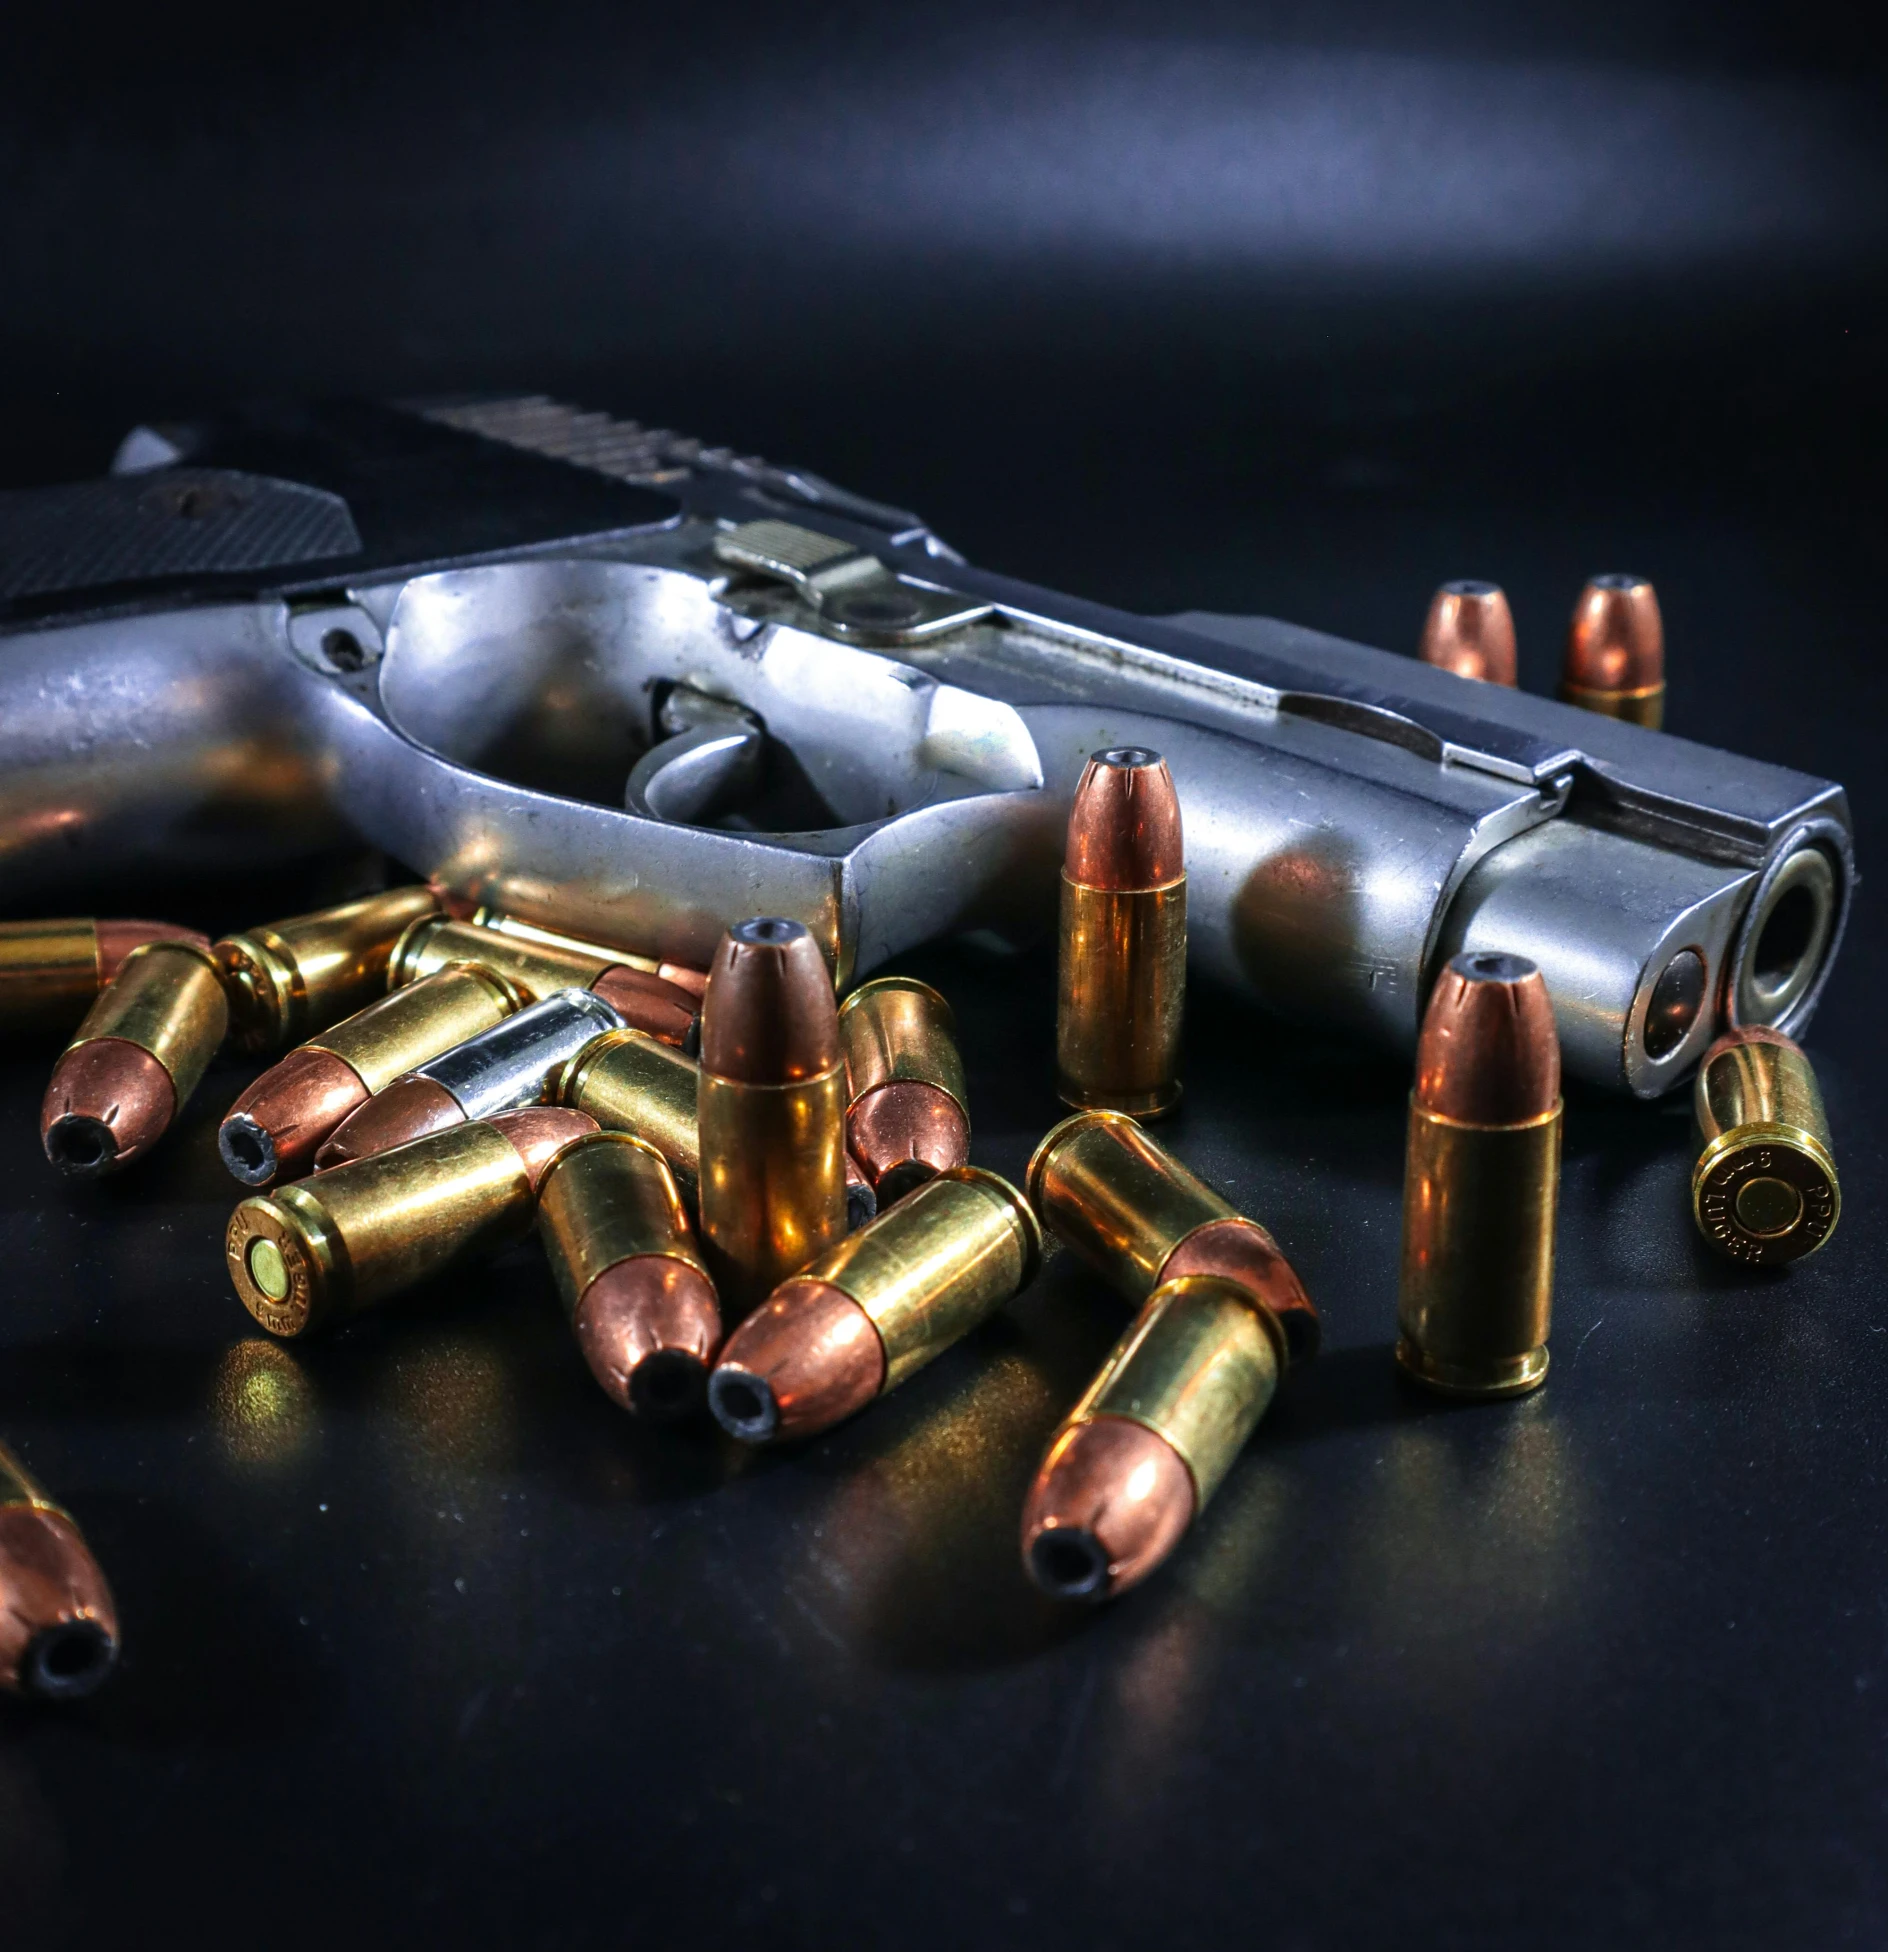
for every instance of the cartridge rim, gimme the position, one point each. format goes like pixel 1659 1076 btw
pixel 283 1232
pixel 408 943
pixel 1052 1139
pixel 911 983
pixel 1502 1376
pixel 263 986
pixel 1782 1160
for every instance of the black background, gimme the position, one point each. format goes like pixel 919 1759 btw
pixel 1293 309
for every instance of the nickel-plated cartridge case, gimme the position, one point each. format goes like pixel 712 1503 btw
pixel 497 1070
pixel 906 1116
pixel 1764 1189
pixel 58 1625
pixel 772 1111
pixel 51 972
pixel 633 1283
pixel 1615 661
pixel 1131 1211
pixel 1151 1439
pixel 1470 631
pixel 291 979
pixel 1481 1182
pixel 630 1082
pixel 540 963
pixel 876 1308
pixel 310 1255
pixel 1122 967
pixel 274 1130
pixel 141 1051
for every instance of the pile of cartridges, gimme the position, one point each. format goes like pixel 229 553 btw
pixel 756 1196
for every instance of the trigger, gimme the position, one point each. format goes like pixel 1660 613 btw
pixel 713 755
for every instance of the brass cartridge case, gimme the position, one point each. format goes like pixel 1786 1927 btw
pixel 772 1191
pixel 141 1051
pixel 1122 964
pixel 876 1308
pixel 906 1112
pixel 1139 1217
pixel 1194 1372
pixel 51 972
pixel 58 1623
pixel 629 1082
pixel 678 973
pixel 1764 1189
pixel 633 1284
pixel 1615 657
pixel 435 942
pixel 541 963
pixel 307 1256
pixel 278 1125
pixel 1476 1299
pixel 293 978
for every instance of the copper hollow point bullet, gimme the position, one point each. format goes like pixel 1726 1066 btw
pixel 1470 631
pixel 312 1254
pixel 276 1127
pixel 137 1057
pixel 771 1111
pixel 876 1308
pixel 1121 975
pixel 632 1282
pixel 905 1118
pixel 1615 661
pixel 1481 1182
pixel 51 972
pixel 1152 1438
pixel 501 1069
pixel 58 1626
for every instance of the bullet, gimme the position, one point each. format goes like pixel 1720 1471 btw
pixel 500 1069
pixel 291 979
pixel 633 1283
pixel 905 1118
pixel 137 1057
pixel 694 981
pixel 1764 1189
pixel 310 1255
pixel 630 1082
pixel 51 972
pixel 1139 1218
pixel 1481 1182
pixel 1615 661
pixel 1470 631
pixel 877 1307
pixel 1152 1438
pixel 58 1625
pixel 771 1112
pixel 539 966
pixel 274 1130
pixel 1122 970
